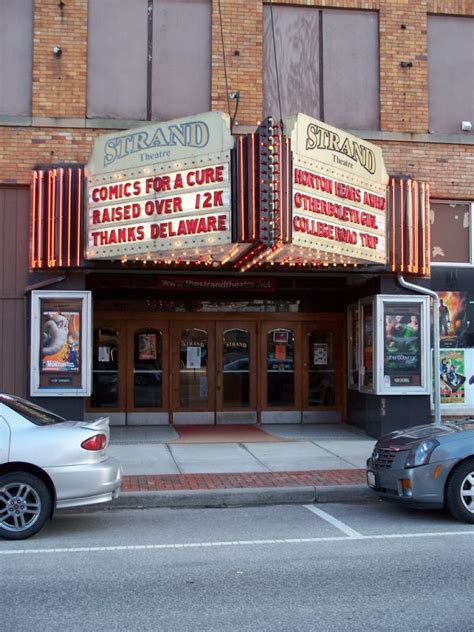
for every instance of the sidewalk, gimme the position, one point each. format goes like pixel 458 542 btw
pixel 240 464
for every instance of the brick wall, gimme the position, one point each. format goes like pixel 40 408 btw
pixel 59 86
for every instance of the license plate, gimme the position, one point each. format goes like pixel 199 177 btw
pixel 371 479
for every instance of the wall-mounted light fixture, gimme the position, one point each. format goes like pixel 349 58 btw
pixel 57 51
pixel 466 126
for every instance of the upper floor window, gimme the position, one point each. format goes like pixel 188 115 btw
pixel 328 65
pixel 450 73
pixel 451 233
pixel 16 57
pixel 148 59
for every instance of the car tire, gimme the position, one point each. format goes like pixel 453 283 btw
pixel 460 492
pixel 25 505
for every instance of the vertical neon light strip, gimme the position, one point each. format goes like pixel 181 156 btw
pixel 33 226
pixel 79 206
pixel 253 210
pixel 416 211
pixel 53 219
pixel 402 228
pixel 69 209
pixel 49 222
pixel 241 190
pixel 391 206
pixel 60 216
pixel 40 230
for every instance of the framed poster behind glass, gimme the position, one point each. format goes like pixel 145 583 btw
pixel 60 344
pixel 403 344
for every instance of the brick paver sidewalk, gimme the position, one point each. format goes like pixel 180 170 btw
pixel 162 482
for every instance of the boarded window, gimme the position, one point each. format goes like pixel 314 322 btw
pixel 351 69
pixel 16 57
pixel 154 69
pixel 296 48
pixel 450 72
pixel 450 242
pixel 117 59
pixel 181 58
pixel 328 65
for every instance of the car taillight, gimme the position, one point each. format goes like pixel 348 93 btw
pixel 97 442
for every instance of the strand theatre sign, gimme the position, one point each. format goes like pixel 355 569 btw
pixel 162 192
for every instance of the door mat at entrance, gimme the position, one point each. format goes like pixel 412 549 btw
pixel 232 433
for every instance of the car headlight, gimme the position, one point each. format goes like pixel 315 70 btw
pixel 420 454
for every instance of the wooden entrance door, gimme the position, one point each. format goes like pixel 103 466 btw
pixel 322 396
pixel 148 380
pixel 236 366
pixel 280 370
pixel 193 398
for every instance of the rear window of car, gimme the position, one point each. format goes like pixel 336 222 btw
pixel 32 412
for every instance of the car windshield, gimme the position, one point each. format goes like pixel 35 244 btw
pixel 32 412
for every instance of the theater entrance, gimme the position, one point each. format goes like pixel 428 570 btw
pixel 200 368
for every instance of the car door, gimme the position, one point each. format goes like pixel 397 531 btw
pixel 4 440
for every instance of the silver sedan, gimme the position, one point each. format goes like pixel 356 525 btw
pixel 47 462
pixel 428 466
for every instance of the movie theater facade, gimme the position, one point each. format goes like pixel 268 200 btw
pixel 189 276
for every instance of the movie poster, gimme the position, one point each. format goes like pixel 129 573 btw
pixel 402 344
pixel 60 339
pixel 453 376
pixel 452 319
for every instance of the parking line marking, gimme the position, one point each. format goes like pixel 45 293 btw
pixel 228 543
pixel 352 533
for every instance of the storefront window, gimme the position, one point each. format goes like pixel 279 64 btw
pixel 105 382
pixel 193 374
pixel 236 368
pixel 280 367
pixel 321 369
pixel 353 346
pixel 147 369
pixel 368 346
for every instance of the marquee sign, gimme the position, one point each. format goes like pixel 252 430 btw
pixel 185 192
pixel 338 205
pixel 162 192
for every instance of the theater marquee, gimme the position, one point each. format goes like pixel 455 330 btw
pixel 162 192
pixel 339 190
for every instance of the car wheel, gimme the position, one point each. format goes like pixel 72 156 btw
pixel 460 492
pixel 25 505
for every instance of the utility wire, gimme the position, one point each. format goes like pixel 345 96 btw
pixel 276 64
pixel 223 56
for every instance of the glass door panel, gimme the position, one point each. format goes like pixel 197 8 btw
pixel 280 367
pixel 193 368
pixel 236 347
pixel 105 368
pixel 321 367
pixel 148 369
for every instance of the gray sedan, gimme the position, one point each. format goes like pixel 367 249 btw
pixel 427 466
pixel 47 462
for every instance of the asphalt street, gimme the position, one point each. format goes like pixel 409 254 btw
pixel 328 568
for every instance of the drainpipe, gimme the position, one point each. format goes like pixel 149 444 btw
pixel 436 365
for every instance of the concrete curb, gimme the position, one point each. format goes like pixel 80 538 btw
pixel 243 497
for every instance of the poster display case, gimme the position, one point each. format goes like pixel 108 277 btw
pixel 394 334
pixel 60 344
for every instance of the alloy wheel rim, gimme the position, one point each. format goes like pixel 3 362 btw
pixel 20 507
pixel 467 492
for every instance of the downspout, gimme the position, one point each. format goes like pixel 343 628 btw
pixel 437 381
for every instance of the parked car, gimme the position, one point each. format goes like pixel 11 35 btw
pixel 48 463
pixel 428 466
